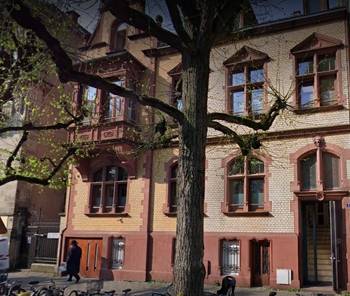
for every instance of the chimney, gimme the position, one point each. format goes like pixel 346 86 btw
pixel 73 15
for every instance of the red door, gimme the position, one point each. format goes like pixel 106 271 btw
pixel 90 264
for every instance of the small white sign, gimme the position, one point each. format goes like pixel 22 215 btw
pixel 284 277
pixel 53 235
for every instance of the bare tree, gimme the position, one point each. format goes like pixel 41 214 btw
pixel 199 25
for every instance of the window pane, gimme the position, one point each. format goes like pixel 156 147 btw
pixel 237 78
pixel 173 173
pixel 236 167
pixel 335 3
pixel 173 196
pixel 238 102
pixel 308 172
pixel 326 63
pixel 109 188
pixel 121 196
pixel 114 102
pixel 90 94
pixel 131 110
pixel 256 75
pixel 256 166
pixel 305 67
pixel 306 96
pixel 118 246
pixel 256 192
pixel 179 104
pixel 257 100
pixel 236 192
pixel 96 196
pixel 314 6
pixel 111 173
pixel 331 171
pixel 230 257
pixel 98 176
pixel 122 174
pixel 327 91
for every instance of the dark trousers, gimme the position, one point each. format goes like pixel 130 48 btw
pixel 75 274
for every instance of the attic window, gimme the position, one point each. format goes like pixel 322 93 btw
pixel 118 37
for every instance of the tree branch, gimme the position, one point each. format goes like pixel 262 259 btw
pixel 24 138
pixel 177 21
pixel 40 181
pixel 22 15
pixel 264 124
pixel 122 11
pixel 227 131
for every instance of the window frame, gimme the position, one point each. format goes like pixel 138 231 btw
pixel 246 86
pixel 104 210
pixel 171 182
pixel 315 77
pixel 114 38
pixel 221 256
pixel 248 208
pixel 320 185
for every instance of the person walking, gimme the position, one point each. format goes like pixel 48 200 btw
pixel 73 261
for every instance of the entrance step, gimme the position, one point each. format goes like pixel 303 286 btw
pixel 44 267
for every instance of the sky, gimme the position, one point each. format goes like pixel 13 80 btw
pixel 265 10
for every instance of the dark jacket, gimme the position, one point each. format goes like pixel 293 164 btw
pixel 73 259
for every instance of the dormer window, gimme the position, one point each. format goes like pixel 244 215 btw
pixel 245 82
pixel 316 6
pixel 118 37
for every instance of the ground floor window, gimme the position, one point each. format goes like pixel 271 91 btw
pixel 118 247
pixel 230 257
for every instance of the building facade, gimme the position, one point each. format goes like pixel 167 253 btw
pixel 278 217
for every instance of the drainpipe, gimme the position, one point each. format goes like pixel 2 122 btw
pixel 60 248
pixel 149 210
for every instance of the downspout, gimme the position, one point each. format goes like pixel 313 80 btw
pixel 60 254
pixel 149 210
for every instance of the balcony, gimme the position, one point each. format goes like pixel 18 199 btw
pixel 113 131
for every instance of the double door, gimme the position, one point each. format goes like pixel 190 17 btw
pixel 90 264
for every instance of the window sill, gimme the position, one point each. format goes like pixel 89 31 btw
pixel 123 214
pixel 247 213
pixel 319 109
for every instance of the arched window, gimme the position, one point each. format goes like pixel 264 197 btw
pixel 119 37
pixel 108 190
pixel 246 182
pixel 320 167
pixel 172 183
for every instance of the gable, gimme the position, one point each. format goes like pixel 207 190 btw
pixel 246 54
pixel 316 41
pixel 176 70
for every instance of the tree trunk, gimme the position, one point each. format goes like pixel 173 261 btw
pixel 189 268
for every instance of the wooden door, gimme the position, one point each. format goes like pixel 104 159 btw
pixel 90 264
pixel 260 262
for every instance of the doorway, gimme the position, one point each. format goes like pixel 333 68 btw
pixel 260 262
pixel 90 263
pixel 320 243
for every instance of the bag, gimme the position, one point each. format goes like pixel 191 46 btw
pixel 62 269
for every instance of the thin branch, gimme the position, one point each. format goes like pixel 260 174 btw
pixel 122 11
pixel 40 181
pixel 22 15
pixel 265 122
pixel 24 138
pixel 31 127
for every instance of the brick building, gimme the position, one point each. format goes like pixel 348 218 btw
pixel 278 217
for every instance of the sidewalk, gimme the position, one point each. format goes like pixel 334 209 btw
pixel 141 288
